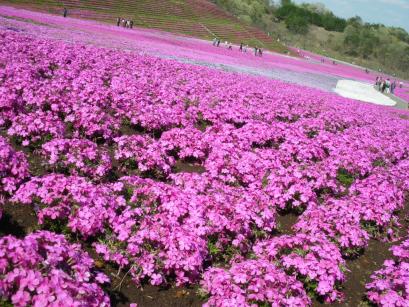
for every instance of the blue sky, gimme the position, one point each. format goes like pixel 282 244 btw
pixel 388 12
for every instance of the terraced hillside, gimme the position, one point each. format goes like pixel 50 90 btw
pixel 198 18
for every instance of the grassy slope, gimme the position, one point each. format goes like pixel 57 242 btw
pixel 327 43
pixel 197 18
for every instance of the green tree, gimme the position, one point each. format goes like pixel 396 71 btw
pixel 297 24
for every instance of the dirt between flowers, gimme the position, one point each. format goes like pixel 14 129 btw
pixel 21 220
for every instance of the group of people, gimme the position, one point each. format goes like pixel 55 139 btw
pixel 386 85
pixel 124 23
pixel 258 51
pixel 242 48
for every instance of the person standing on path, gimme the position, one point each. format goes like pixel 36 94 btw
pixel 383 86
pixel 118 21
pixel 131 24
pixel 65 12
pixel 393 86
pixel 388 86
pixel 241 47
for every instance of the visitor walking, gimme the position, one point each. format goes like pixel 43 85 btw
pixel 65 12
pixel 400 84
pixel 245 48
pixel 214 41
pixel 260 52
pixel 218 42
pixel 241 47
pixel 131 24
pixel 255 50
pixel 118 21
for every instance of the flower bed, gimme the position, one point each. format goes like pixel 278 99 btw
pixel 110 128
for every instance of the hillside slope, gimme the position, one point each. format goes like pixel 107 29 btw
pixel 198 18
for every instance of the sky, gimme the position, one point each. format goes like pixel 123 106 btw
pixel 389 12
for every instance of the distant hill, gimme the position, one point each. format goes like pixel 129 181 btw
pixel 313 27
pixel 198 18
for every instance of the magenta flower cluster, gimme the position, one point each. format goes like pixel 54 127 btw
pixel 389 286
pixel 13 170
pixel 143 154
pixel 78 157
pixel 43 269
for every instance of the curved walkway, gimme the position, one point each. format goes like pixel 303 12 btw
pixel 363 92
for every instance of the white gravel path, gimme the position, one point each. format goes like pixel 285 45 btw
pixel 362 91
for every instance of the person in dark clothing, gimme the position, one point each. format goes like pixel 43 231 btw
pixel 118 21
pixel 393 86
pixel 383 86
pixel 65 12
pixel 260 52
pixel 131 24
pixel 255 51
pixel 241 47
pixel 218 42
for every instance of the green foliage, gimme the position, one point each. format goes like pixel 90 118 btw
pixel 372 229
pixel 345 178
pixel 293 14
pixel 221 255
pixel 213 249
pixel 257 12
pixel 57 226
pixel 297 24
pixel 4 303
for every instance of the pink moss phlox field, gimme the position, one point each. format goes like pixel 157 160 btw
pixel 184 48
pixel 13 170
pixel 389 286
pixel 44 269
pixel 177 173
